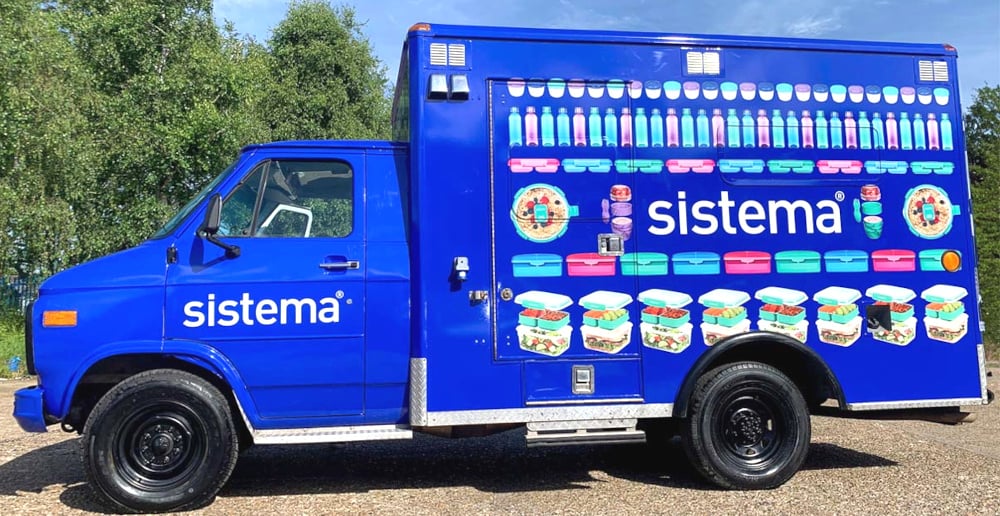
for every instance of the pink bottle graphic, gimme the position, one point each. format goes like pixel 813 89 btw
pixel 673 133
pixel 763 129
pixel 531 127
pixel 891 131
pixel 850 131
pixel 933 143
pixel 579 128
pixel 626 127
pixel 718 128
pixel 807 130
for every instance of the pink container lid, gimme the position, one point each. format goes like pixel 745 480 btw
pixel 894 255
pixel 746 256
pixel 589 259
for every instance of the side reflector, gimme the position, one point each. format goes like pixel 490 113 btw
pixel 951 261
pixel 58 318
pixel 423 27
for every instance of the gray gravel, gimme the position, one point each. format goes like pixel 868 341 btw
pixel 853 467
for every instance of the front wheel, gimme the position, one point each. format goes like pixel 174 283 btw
pixel 747 428
pixel 162 440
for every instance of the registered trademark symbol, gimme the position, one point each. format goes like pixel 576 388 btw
pixel 340 293
pixel 839 196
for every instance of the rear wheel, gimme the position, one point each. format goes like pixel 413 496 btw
pixel 748 426
pixel 161 440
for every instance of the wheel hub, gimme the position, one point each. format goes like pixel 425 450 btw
pixel 161 445
pixel 748 426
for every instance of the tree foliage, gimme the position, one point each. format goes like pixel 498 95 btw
pixel 982 133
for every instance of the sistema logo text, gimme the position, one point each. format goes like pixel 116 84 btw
pixel 776 217
pixel 249 311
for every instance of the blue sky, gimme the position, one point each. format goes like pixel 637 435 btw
pixel 973 26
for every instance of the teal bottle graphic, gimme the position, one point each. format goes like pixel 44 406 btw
pixel 594 125
pixel 919 135
pixel 748 129
pixel 704 137
pixel 548 129
pixel 611 127
pixel 864 131
pixel 836 132
pixel 687 128
pixel 946 140
pixel 777 130
pixel 562 128
pixel 905 132
pixel 822 131
pixel 641 128
pixel 878 131
pixel 514 127
pixel 792 124
pixel 733 128
pixel 656 128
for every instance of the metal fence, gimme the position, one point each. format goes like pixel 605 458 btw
pixel 16 293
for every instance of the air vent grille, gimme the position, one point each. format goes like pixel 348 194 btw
pixel 456 54
pixel 439 54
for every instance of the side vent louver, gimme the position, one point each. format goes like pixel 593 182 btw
pixel 932 71
pixel 452 54
pixel 694 63
pixel 703 63
pixel 456 54
pixel 439 54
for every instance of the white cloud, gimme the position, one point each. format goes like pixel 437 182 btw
pixel 813 26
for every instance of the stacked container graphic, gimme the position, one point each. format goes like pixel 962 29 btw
pixel 666 324
pixel 606 326
pixel 781 312
pixel 904 324
pixel 543 327
pixel 945 318
pixel 838 318
pixel 724 314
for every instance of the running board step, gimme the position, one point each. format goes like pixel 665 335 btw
pixel 336 434
pixel 603 431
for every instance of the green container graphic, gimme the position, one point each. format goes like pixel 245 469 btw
pixel 644 264
pixel 797 262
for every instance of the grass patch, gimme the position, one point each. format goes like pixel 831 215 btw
pixel 11 344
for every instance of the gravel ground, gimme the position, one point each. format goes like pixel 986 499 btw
pixel 898 467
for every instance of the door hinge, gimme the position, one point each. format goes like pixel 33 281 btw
pixel 171 254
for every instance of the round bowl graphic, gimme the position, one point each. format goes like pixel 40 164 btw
pixel 929 212
pixel 541 213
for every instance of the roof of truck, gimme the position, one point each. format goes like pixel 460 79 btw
pixel 327 144
pixel 518 33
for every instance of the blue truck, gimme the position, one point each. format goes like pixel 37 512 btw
pixel 594 236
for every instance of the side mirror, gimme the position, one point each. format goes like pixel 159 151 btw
pixel 213 215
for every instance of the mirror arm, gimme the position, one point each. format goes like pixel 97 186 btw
pixel 232 251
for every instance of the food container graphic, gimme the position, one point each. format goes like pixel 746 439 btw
pixel 838 92
pixel 924 95
pixel 576 88
pixel 846 260
pixel 729 90
pixel 941 96
pixel 873 94
pixel 691 90
pixel 932 167
pixel 929 212
pixel 752 166
pixel 766 91
pixel 838 318
pixel 891 94
pixel 634 89
pixel 590 264
pixel 515 87
pixel 644 264
pixel 894 260
pixel 781 312
pixel 797 262
pixel 606 327
pixel 747 262
pixel 585 165
pixel 545 165
pixel 856 93
pixel 782 166
pixel 833 166
pixel 784 91
pixel 945 318
pixel 696 263
pixel 630 166
pixel 653 89
pixel 908 94
pixel 802 92
pixel 621 193
pixel 543 325
pixel 537 265
pixel 666 324
pixel 710 90
pixel 557 88
pixel 871 193
pixel 724 314
pixel 541 213
pixel 930 260
pixel 821 92
pixel 748 90
pixel 904 324
pixel 698 166
pixel 884 167
pixel 536 88
pixel 672 90
pixel 616 89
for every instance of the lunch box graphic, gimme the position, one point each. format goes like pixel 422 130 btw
pixel 784 166
pixel 894 260
pixel 698 166
pixel 834 166
pixel 781 312
pixel 606 326
pixel 846 260
pixel 644 264
pixel 537 265
pixel 747 262
pixel 904 324
pixel 797 262
pixel 590 264
pixel 696 263
pixel 838 319
pixel 543 327
pixel 945 318
pixel 587 165
pixel 930 259
pixel 730 166
pixel 646 166
pixel 521 165
pixel 886 167
pixel 666 324
pixel 541 213
pixel 932 167
pixel 724 314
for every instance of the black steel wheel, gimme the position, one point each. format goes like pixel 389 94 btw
pixel 162 440
pixel 748 427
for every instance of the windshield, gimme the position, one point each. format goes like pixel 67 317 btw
pixel 174 221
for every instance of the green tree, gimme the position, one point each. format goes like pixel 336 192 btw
pixel 982 133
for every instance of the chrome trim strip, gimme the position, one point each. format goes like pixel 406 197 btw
pixel 418 391
pixel 584 401
pixel 981 351
pixel 890 405
pixel 538 414
pixel 330 434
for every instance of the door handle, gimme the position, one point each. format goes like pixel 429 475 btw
pixel 340 266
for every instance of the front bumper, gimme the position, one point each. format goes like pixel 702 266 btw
pixel 28 409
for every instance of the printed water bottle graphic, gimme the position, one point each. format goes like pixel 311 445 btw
pixel 933 142
pixel 548 129
pixel 718 128
pixel 747 123
pixel 687 128
pixel 836 132
pixel 611 127
pixel 878 131
pixel 864 131
pixel 733 128
pixel 562 128
pixel 703 133
pixel 626 122
pixel 822 131
pixel 891 131
pixel 673 132
pixel 946 142
pixel 579 128
pixel 793 130
pixel 530 127
pixel 905 131
pixel 763 129
pixel 777 129
pixel 807 130
pixel 919 136
pixel 850 130
pixel 656 128
pixel 594 124
pixel 641 128
pixel 514 127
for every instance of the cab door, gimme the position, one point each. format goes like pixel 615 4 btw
pixel 288 311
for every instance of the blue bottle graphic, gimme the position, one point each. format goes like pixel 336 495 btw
pixel 836 132
pixel 946 139
pixel 656 128
pixel 704 135
pixel 562 128
pixel 514 127
pixel 733 128
pixel 594 127
pixel 878 132
pixel 548 128
pixel 822 131
pixel 748 129
pixel 905 132
pixel 611 127
pixel 687 128
pixel 792 124
pixel 864 131
pixel 777 130
pixel 641 128
pixel 919 135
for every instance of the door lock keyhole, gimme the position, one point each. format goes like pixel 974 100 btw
pixel 506 294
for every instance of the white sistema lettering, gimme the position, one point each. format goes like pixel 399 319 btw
pixel 776 217
pixel 248 311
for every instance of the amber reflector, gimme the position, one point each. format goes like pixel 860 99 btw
pixel 951 261
pixel 57 318
pixel 420 26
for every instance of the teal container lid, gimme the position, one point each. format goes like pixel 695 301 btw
pixel 723 298
pixel 837 296
pixel 781 296
pixel 536 259
pixel 643 258
pixel 542 300
pixel 890 293
pixel 663 298
pixel 944 293
pixel 846 255
pixel 695 257
pixel 796 256
pixel 605 300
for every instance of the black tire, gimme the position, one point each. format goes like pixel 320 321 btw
pixel 747 427
pixel 162 440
